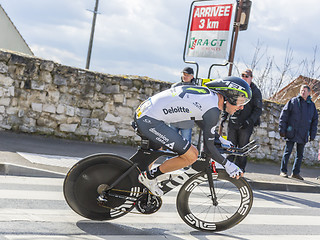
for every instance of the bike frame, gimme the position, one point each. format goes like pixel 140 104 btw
pixel 144 157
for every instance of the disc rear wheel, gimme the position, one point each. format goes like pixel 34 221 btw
pixel 89 177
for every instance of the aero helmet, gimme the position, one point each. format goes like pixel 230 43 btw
pixel 235 90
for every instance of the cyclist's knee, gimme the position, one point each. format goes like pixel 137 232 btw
pixel 191 155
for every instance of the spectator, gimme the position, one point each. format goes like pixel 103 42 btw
pixel 185 127
pixel 297 124
pixel 241 123
pixel 187 78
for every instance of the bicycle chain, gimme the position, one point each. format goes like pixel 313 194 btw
pixel 119 190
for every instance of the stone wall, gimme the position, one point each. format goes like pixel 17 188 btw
pixel 40 96
pixel 43 97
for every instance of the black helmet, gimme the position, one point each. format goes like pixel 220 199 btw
pixel 236 90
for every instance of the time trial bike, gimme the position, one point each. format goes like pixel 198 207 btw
pixel 106 187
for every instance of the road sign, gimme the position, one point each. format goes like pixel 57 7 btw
pixel 210 28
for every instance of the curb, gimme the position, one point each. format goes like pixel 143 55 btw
pixel 17 170
pixel 286 187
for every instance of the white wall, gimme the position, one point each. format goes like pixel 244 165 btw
pixel 10 37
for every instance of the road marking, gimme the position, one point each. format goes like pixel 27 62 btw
pixel 160 217
pixel 31 180
pixel 130 226
pixel 52 160
pixel 160 237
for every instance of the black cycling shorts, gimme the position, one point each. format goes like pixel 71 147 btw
pixel 161 135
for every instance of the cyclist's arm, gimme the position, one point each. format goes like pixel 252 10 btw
pixel 208 124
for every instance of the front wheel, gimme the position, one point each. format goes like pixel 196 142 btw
pixel 233 203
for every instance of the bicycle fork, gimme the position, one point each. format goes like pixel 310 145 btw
pixel 209 170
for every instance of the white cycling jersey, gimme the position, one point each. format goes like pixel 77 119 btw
pixel 175 105
pixel 179 104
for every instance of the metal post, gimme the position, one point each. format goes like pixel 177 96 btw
pixel 236 32
pixel 92 33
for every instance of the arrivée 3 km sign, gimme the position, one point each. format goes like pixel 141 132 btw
pixel 210 29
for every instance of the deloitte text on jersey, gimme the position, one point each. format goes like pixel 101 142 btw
pixel 175 110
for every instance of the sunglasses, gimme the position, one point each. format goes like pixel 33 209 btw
pixel 245 75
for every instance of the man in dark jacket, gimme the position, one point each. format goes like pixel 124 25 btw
pixel 297 124
pixel 241 123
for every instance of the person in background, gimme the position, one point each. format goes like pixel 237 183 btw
pixel 297 124
pixel 184 128
pixel 242 122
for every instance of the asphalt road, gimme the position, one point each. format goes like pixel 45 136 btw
pixel 20 142
pixel 34 208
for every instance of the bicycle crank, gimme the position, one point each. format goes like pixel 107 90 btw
pixel 148 203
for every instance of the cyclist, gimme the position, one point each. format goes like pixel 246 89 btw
pixel 202 104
